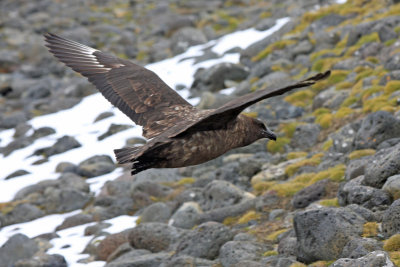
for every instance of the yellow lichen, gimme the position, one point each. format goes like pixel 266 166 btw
pixel 327 145
pixel 270 253
pixel 300 98
pixel 325 120
pixel 295 155
pixel 277 146
pixel 393 243
pixel 249 216
pixel 272 47
pixel 274 235
pixel 333 202
pixel 343 112
pixel 289 128
pixel 395 257
pixel 391 87
pixel 186 180
pixel 313 161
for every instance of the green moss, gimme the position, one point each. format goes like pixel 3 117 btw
pixel 325 120
pixel 185 181
pixel 380 103
pixel 318 54
pixel 270 253
pixel 289 128
pixel 295 155
pixel 364 74
pixel 344 85
pixel 391 87
pixel 300 98
pixel 343 112
pixel 395 257
pixel 375 89
pixel 261 187
pixel 337 76
pixel 333 202
pixel 327 145
pixel 141 55
pixel 335 174
pixel 274 235
pixel 349 101
pixel 373 60
pixel 393 243
pixel 272 47
pixel 361 153
pixel 277 146
pixel 297 264
pixel 321 111
pixel 370 229
pixel 249 216
pixel 373 37
pixel 313 161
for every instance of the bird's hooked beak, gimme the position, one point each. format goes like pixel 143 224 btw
pixel 269 134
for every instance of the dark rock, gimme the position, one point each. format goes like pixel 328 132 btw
pixel 288 111
pixel 96 166
pixel 205 241
pixel 96 229
pixel 219 214
pixel 103 116
pixel 367 214
pixel 187 261
pixel 384 165
pixel 343 139
pixel 391 219
pixel 327 21
pixel 157 212
pixel 43 260
pixel 148 260
pixel 12 120
pixel 126 253
pixel 306 136
pixel 41 89
pixel 75 220
pixel 154 236
pixel 62 145
pixel 42 132
pixel 322 233
pixel 110 207
pixel 219 194
pixel 23 213
pixel 353 192
pixel 151 188
pixel 288 246
pixel 18 247
pixel 393 62
pixel 310 194
pixel 66 167
pixel 113 129
pixel 185 37
pixel 213 79
pixel 187 216
pixel 359 247
pixel 356 167
pixel 15 144
pixel 373 259
pixel 386 33
pixel 233 252
pixel 16 174
pixel 376 128
pixel 21 130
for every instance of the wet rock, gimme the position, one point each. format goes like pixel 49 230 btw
pixel 359 247
pixel 353 192
pixel 185 37
pixel 213 79
pixel 43 260
pixel 75 220
pixel 187 216
pixel 219 194
pixel 109 244
pixel 96 166
pixel 384 164
pixel 373 259
pixel 113 129
pixel 306 136
pixel 18 247
pixel 376 128
pixel 157 212
pixel 391 219
pixel 62 145
pixel 322 233
pixel 310 194
pixel 205 241
pixel 103 116
pixel 233 252
pixel 154 236
pixel 17 173
pixel 392 186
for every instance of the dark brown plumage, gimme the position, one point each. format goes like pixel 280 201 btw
pixel 180 135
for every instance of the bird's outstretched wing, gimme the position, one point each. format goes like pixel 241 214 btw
pixel 223 115
pixel 136 91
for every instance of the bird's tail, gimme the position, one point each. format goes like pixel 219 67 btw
pixel 126 154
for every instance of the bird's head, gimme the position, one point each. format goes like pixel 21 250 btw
pixel 263 130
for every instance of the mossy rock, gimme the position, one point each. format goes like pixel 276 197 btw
pixel 313 161
pixel 361 153
pixel 393 243
pixel 301 98
pixel 325 120
pixel 332 202
pixel 277 146
pixel 296 155
pixel 327 145
pixel 274 235
pixel 370 229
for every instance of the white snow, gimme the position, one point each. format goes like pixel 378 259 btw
pixel 79 123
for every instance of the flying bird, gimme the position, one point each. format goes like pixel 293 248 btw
pixel 179 134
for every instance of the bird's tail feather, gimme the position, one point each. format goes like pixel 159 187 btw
pixel 126 155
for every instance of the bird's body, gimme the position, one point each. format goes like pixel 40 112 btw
pixel 180 135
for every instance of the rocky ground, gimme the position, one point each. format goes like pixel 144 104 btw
pixel 326 193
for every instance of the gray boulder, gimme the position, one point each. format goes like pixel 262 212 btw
pixel 23 213
pixel 233 252
pixel 359 247
pixel 62 145
pixel 187 216
pixel 185 37
pixel 322 233
pixel 156 212
pixel 376 128
pixel 391 219
pixel 18 247
pixel 373 259
pixel 96 166
pixel 385 164
pixel 43 260
pixel 148 260
pixel 392 186
pixel 343 139
pixel 310 194
pixel 154 236
pixel 305 136
pixel 205 241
